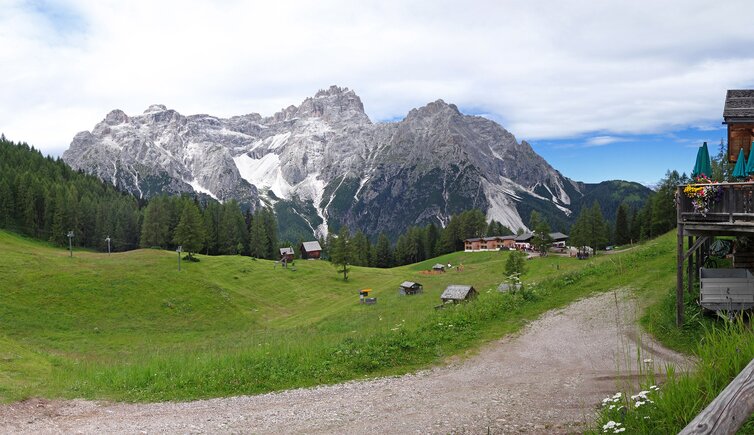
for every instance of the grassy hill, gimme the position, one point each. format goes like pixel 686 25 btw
pixel 129 326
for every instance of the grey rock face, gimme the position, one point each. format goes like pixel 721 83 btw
pixel 326 152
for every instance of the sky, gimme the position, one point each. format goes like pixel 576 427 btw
pixel 601 89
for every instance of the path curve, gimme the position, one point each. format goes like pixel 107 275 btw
pixel 549 378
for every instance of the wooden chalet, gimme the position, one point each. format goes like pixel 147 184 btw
pixel 287 254
pixel 410 288
pixel 730 215
pixel 493 243
pixel 458 293
pixel 559 240
pixel 311 250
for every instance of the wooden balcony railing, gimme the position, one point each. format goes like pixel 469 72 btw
pixel 734 206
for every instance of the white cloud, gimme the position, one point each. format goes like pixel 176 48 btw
pixel 598 141
pixel 551 69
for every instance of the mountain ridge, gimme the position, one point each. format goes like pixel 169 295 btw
pixel 324 163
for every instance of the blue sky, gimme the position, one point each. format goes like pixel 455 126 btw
pixel 622 89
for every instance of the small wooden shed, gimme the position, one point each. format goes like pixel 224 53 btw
pixel 410 288
pixel 286 254
pixel 739 117
pixel 458 293
pixel 438 267
pixel 311 250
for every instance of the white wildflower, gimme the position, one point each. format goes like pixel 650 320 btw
pixel 609 425
pixel 617 395
pixel 648 361
pixel 619 430
pixel 639 403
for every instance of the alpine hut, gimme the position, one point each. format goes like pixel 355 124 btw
pixel 458 293
pixel 286 254
pixel 438 268
pixel 409 288
pixel 311 250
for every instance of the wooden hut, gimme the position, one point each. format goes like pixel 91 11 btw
pixel 410 288
pixel 458 293
pixel 738 114
pixel 438 268
pixel 311 250
pixel 558 239
pixel 286 254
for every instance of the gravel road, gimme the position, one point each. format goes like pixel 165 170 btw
pixel 549 378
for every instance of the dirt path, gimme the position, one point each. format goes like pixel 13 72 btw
pixel 547 379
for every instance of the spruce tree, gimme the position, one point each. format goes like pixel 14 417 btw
pixel 189 233
pixel 383 253
pixel 622 229
pixel 341 252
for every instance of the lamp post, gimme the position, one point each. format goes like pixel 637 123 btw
pixel 70 242
pixel 108 244
pixel 179 250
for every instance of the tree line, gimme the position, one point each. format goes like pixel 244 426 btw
pixel 44 198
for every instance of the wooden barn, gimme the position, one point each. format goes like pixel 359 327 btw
pixel 286 254
pixel 311 250
pixel 410 288
pixel 458 293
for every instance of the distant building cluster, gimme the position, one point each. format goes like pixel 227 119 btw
pixel 521 242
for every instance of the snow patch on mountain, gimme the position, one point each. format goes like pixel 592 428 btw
pixel 265 173
pixel 199 188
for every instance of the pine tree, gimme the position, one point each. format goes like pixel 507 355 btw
pixel 542 239
pixel 258 240
pixel 622 229
pixel 360 249
pixel 341 252
pixel 271 231
pixel 534 220
pixel 515 265
pixel 156 225
pixel 383 253
pixel 596 229
pixel 189 233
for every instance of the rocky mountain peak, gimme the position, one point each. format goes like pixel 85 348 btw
pixel 334 105
pixel 155 108
pixel 437 107
pixel 116 117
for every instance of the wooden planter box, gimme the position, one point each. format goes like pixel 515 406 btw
pixel 726 289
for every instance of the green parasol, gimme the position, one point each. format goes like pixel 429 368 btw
pixel 702 165
pixel 750 162
pixel 740 170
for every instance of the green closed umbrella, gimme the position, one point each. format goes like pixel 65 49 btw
pixel 703 165
pixel 750 162
pixel 740 170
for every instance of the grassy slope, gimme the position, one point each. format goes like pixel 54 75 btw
pixel 129 326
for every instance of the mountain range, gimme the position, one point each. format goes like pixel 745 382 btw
pixel 324 163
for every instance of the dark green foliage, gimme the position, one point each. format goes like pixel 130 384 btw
pixel 516 264
pixel 590 229
pixel 622 228
pixel 44 198
pixel 190 233
pixel 383 253
pixel 542 239
pixel 342 252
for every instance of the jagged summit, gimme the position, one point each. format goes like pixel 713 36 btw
pixel 323 163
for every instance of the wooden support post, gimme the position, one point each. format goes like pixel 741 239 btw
pixel 692 262
pixel 730 409
pixel 679 279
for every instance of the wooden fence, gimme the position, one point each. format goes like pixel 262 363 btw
pixel 730 409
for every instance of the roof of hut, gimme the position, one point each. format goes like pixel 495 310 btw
pixel 286 251
pixel 739 103
pixel 312 246
pixel 456 292
pixel 409 284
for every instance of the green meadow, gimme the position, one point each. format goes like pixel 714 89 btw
pixel 130 326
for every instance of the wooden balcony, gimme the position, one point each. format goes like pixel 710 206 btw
pixel 732 214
